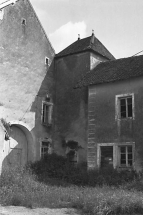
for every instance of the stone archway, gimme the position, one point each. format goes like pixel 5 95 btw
pixel 19 145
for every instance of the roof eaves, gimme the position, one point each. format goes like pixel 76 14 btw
pixel 88 49
pixel 109 81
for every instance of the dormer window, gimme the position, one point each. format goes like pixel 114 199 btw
pixel 23 22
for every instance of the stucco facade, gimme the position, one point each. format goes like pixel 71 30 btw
pixel 107 129
pixel 42 111
pixel 71 105
pixel 24 81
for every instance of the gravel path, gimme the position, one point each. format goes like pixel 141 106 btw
pixel 11 210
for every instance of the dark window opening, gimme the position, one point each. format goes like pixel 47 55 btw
pixel 106 156
pixel 47 114
pixel 44 149
pixel 71 151
pixel 46 61
pixel 23 22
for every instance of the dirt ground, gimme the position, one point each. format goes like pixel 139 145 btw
pixel 11 210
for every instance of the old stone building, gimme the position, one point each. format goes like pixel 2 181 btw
pixel 25 57
pixel 115 113
pixel 81 103
pixel 70 105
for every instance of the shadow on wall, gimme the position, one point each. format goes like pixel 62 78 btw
pixel 23 143
pixel 46 90
pixel 17 149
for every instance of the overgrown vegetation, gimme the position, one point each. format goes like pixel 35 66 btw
pixel 58 168
pixel 26 187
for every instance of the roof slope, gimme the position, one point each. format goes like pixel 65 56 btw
pixel 115 70
pixel 87 44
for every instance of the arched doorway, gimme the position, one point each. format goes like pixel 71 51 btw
pixel 18 147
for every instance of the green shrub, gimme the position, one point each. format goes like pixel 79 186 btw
pixel 59 168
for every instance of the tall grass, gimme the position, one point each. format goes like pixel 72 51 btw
pixel 20 187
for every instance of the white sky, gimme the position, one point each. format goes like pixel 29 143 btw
pixel 118 24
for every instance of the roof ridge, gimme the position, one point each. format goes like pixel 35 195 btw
pixel 85 44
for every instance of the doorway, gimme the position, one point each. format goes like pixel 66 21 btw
pixel 106 156
pixel 18 147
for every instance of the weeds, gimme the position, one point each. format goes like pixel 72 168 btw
pixel 20 187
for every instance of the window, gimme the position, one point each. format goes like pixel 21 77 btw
pixel 126 156
pixel 45 148
pixel 47 61
pixel 72 155
pixel 47 108
pixel 72 151
pixel 117 155
pixel 125 106
pixel 23 22
pixel 106 155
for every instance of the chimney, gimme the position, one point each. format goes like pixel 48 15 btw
pixel 92 32
pixel 92 37
pixel 78 36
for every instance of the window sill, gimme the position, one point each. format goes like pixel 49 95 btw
pixel 121 168
pixel 47 124
pixel 126 119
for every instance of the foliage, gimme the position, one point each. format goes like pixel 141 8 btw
pixel 71 144
pixel 58 167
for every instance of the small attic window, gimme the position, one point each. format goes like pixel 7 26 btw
pixel 47 61
pixel 23 22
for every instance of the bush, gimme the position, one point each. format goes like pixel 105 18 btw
pixel 59 168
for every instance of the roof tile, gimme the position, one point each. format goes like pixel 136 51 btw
pixel 89 43
pixel 114 70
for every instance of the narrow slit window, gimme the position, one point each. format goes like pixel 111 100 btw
pixel 47 113
pixel 46 61
pixel 23 22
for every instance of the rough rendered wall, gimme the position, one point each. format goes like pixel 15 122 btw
pixel 71 104
pixel 103 125
pixel 22 66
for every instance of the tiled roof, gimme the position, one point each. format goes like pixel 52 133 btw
pixel 89 43
pixel 115 70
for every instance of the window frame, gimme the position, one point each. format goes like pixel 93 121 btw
pixel 117 106
pixel 50 107
pixel 132 144
pixel 49 142
pixel 116 154
pixel 99 153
